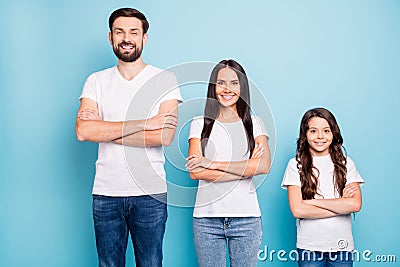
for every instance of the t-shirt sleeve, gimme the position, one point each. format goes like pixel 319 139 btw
pixel 196 127
pixel 352 173
pixel 170 83
pixel 258 127
pixel 291 176
pixel 89 89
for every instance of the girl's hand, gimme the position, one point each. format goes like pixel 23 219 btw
pixel 195 161
pixel 258 151
pixel 349 190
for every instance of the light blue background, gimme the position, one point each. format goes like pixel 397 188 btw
pixel 343 55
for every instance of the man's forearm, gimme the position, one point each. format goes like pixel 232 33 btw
pixel 160 137
pixel 106 131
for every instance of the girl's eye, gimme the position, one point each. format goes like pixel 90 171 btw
pixel 312 131
pixel 327 131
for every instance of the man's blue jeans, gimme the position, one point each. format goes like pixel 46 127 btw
pixel 213 235
pixel 144 217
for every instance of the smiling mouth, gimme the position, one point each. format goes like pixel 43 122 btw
pixel 227 97
pixel 319 143
pixel 127 46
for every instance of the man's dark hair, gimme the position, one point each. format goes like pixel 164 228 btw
pixel 129 12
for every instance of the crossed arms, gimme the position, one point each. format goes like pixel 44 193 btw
pixel 201 168
pixel 155 131
pixel 351 201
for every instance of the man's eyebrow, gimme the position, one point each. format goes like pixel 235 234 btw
pixel 132 29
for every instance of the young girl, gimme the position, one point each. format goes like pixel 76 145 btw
pixel 227 147
pixel 324 189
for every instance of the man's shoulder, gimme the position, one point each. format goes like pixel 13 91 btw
pixel 104 73
pixel 156 72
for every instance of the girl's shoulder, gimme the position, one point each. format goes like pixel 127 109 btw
pixel 349 162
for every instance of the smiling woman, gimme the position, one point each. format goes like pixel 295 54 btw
pixel 227 147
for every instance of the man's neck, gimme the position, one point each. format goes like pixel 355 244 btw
pixel 129 70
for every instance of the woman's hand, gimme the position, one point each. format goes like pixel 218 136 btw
pixel 195 161
pixel 258 151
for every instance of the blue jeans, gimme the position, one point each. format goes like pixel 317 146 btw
pixel 242 235
pixel 144 217
pixel 325 259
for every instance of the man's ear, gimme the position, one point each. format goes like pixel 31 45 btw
pixel 145 38
pixel 110 37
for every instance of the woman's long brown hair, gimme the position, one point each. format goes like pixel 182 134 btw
pixel 308 172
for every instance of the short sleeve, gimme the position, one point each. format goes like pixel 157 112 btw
pixel 258 127
pixel 170 83
pixel 89 89
pixel 196 127
pixel 292 176
pixel 352 173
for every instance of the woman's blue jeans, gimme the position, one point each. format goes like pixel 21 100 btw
pixel 212 235
pixel 144 217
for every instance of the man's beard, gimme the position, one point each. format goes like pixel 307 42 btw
pixel 128 56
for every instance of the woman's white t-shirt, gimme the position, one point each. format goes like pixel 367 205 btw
pixel 227 142
pixel 327 234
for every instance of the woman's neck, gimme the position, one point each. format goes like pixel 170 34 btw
pixel 228 114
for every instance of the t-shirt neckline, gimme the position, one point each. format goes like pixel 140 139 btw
pixel 134 78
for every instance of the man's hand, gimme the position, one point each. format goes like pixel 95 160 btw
pixel 89 115
pixel 164 120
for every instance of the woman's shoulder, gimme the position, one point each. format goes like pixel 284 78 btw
pixel 256 118
pixel 198 120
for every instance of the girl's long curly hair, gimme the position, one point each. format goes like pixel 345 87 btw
pixel 308 172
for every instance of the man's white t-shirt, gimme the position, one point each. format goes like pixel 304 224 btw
pixel 123 170
pixel 227 142
pixel 327 234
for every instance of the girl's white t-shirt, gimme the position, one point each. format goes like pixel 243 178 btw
pixel 327 234
pixel 227 142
